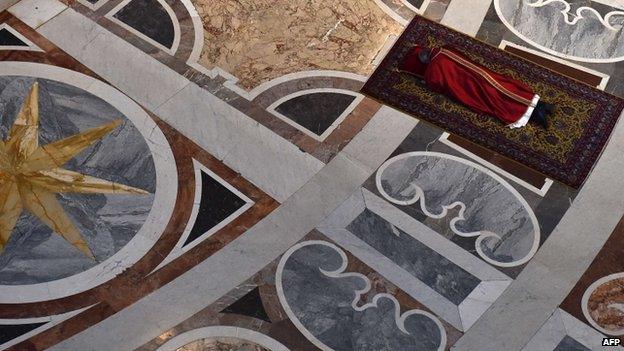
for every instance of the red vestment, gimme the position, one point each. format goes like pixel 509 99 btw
pixel 477 87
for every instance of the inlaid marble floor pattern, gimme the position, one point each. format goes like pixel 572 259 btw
pixel 192 175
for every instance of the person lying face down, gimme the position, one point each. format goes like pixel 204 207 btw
pixel 446 71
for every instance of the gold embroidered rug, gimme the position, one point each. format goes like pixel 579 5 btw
pixel 579 129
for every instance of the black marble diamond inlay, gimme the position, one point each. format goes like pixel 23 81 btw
pixel 10 332
pixel 569 344
pixel 150 18
pixel 316 111
pixel 9 39
pixel 416 3
pixel 249 305
pixel 216 204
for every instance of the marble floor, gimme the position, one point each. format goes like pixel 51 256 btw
pixel 193 175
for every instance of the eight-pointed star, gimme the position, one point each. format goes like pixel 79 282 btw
pixel 31 175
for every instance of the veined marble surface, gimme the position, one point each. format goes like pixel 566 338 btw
pixel 34 254
pixel 149 18
pixel 257 41
pixel 222 344
pixel 603 304
pixel 330 306
pixel 505 228
pixel 583 30
pixel 424 263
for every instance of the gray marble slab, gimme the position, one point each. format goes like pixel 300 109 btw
pixel 150 18
pixel 35 254
pixel 485 206
pixel 569 344
pixel 442 275
pixel 323 299
pixel 316 111
pixel 578 29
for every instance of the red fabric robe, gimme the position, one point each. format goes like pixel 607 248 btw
pixel 477 87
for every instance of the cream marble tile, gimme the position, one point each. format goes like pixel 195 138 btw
pixel 518 313
pixel 36 12
pixel 549 335
pixel 130 70
pixel 264 158
pixel 5 4
pixel 388 123
pixel 466 15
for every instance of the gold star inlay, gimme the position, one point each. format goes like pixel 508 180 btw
pixel 31 175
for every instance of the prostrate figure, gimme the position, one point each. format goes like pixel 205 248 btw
pixel 447 72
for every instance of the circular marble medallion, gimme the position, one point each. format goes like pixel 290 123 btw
pixel 89 182
pixel 603 304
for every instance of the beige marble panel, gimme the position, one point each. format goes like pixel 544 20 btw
pixel 258 40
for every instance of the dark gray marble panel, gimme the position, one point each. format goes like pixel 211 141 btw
pixel 492 29
pixel 12 331
pixel 149 18
pixel 35 254
pixel 317 111
pixel 216 204
pixel 249 305
pixel 322 298
pixel 442 275
pixel 9 39
pixel 416 3
pixel 569 344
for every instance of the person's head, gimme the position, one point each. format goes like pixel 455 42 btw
pixel 424 55
pixel 416 60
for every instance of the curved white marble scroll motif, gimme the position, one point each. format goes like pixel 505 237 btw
pixel 490 209
pixel 613 303
pixel 324 303
pixel 573 18
pixel 583 35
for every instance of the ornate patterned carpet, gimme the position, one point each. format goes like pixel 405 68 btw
pixel 566 151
